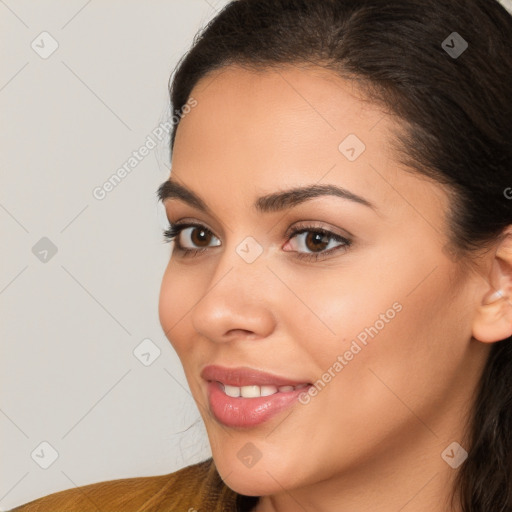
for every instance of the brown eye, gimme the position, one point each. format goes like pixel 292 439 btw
pixel 200 237
pixel 190 237
pixel 313 243
pixel 193 237
pixel 316 241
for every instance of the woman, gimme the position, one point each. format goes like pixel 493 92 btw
pixel 340 288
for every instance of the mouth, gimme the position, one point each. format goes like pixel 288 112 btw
pixel 243 397
pixel 257 391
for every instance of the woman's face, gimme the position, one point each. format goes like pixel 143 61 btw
pixel 380 321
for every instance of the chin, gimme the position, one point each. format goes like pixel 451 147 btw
pixel 249 483
pixel 262 479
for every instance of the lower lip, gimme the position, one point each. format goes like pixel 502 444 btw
pixel 248 412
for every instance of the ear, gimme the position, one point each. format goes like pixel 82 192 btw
pixel 493 319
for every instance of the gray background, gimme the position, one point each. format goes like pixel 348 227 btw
pixel 71 321
pixel 69 325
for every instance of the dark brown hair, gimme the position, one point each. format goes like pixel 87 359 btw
pixel 457 115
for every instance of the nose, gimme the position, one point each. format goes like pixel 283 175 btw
pixel 236 302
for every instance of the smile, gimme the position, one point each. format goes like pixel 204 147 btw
pixel 244 397
pixel 257 391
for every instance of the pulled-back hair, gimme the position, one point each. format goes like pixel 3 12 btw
pixel 456 111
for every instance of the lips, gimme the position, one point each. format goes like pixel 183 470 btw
pixel 245 398
pixel 244 376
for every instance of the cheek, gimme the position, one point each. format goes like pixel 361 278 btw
pixel 176 300
pixel 394 319
pixel 398 347
pixel 336 308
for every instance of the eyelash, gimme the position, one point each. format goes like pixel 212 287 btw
pixel 173 232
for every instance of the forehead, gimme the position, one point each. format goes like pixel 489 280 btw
pixel 276 128
pixel 277 105
pixel 265 118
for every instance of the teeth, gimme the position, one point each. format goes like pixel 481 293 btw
pixel 232 391
pixel 257 391
pixel 268 390
pixel 250 391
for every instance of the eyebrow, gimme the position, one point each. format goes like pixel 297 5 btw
pixel 269 203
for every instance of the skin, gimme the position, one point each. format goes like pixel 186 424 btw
pixel 372 438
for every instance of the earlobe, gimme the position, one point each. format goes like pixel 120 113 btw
pixel 493 319
pixel 494 297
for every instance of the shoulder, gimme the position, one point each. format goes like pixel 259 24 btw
pixel 197 487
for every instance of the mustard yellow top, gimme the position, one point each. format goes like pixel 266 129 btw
pixel 196 488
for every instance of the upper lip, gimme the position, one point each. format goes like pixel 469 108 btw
pixel 244 376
